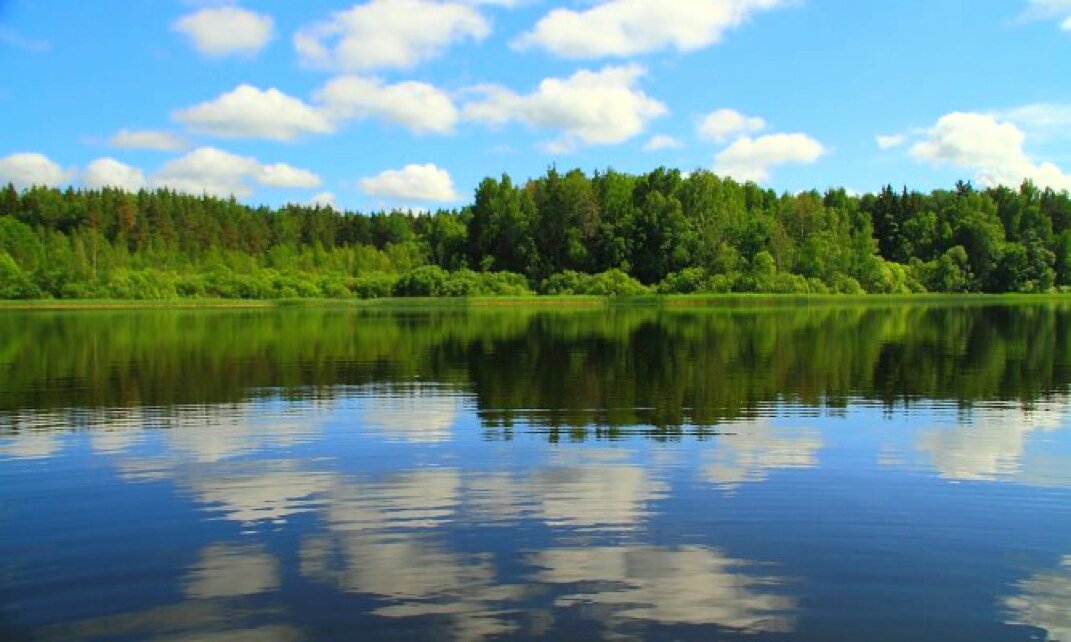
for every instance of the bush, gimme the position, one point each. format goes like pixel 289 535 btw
pixel 427 280
pixel 564 283
pixel 841 283
pixel 462 283
pixel 687 281
pixel 614 283
pixel 504 284
pixel 377 285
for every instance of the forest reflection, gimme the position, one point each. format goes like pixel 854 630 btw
pixel 572 373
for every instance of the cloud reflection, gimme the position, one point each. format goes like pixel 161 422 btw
pixel 591 490
pixel 223 575
pixel 747 452
pixel 1045 602
pixel 994 444
pixel 420 417
pixel 690 585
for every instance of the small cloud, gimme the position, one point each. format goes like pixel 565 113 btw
pixel 214 171
pixel 145 139
pixel 387 34
pixel 426 183
pixel 108 172
pixel 589 108
pixel 890 141
pixel 626 28
pixel 325 199
pixel 1058 10
pixel 223 31
pixel 722 125
pixel 660 142
pixel 31 170
pixel 249 112
pixel 751 159
pixel 417 106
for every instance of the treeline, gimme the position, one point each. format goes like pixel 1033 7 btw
pixel 563 233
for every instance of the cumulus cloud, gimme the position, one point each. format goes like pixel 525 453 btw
pixel 630 27
pixel 108 172
pixel 387 34
pixel 426 183
pixel 325 199
pixel 145 139
pixel 723 124
pixel 590 107
pixel 751 159
pixel 283 175
pixel 1040 121
pixel 660 142
pixel 993 149
pixel 417 106
pixel 214 171
pixel 890 141
pixel 32 169
pixel 249 112
pixel 224 31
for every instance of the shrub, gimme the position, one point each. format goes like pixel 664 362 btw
pixel 614 283
pixel 427 280
pixel 687 281
pixel 376 285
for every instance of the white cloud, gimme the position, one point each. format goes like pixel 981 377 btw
pixel 629 27
pixel 1040 121
pixel 411 183
pixel 387 34
pixel 890 141
pixel 108 172
pixel 723 124
pixel 283 175
pixel 661 142
pixel 221 173
pixel 249 112
pixel 325 199
pixel 992 148
pixel 750 159
pixel 223 31
pixel 417 106
pixel 155 140
pixel 30 170
pixel 590 107
pixel 1059 10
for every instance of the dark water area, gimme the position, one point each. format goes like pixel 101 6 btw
pixel 823 473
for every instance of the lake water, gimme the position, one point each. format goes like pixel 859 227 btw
pixel 810 473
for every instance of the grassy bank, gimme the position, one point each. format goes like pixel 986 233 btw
pixel 579 302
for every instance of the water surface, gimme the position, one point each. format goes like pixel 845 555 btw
pixel 812 473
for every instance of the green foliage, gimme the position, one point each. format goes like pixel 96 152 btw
pixel 566 233
pixel 377 285
pixel 428 280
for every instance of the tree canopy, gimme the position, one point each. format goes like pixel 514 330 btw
pixel 609 233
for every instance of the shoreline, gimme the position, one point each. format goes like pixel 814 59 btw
pixel 736 300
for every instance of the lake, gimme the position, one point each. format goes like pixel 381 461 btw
pixel 818 472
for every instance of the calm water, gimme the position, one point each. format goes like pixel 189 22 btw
pixel 899 473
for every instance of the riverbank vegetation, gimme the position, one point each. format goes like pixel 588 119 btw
pixel 561 234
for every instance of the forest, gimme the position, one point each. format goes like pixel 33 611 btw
pixel 609 233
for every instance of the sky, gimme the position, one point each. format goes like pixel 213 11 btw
pixel 410 103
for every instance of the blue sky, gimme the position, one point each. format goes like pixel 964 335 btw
pixel 386 103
